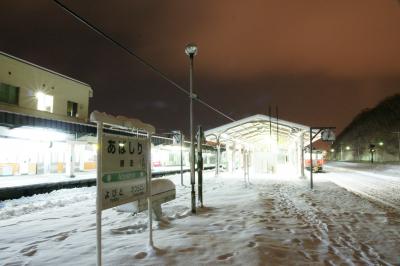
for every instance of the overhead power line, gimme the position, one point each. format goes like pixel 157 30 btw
pixel 137 57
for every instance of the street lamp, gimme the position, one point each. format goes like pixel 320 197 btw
pixel 348 148
pixel 191 51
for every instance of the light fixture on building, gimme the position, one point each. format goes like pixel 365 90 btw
pixel 38 134
pixel 44 101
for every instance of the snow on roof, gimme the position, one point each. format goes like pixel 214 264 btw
pixel 250 128
pixel 121 121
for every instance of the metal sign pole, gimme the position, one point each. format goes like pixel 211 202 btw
pixel 302 155
pixel 218 157
pixel 244 167
pixel 99 189
pixel 311 162
pixel 200 165
pixel 149 205
pixel 181 136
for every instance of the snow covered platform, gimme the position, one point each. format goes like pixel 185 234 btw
pixel 272 221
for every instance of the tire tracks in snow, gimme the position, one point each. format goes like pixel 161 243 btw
pixel 337 243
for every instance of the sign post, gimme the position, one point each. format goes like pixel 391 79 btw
pixel 99 189
pixel 123 167
pixel 148 181
pixel 372 151
pixel 200 140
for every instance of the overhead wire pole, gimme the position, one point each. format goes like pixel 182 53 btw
pixel 140 59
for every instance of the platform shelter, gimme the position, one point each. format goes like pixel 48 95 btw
pixel 261 144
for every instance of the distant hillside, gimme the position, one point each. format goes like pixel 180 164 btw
pixel 371 126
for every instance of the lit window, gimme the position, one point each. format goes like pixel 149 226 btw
pixel 72 109
pixel 8 93
pixel 44 102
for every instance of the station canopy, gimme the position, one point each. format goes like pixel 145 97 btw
pixel 256 129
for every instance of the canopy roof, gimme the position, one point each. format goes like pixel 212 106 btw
pixel 253 129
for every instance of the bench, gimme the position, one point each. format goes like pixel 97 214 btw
pixel 162 191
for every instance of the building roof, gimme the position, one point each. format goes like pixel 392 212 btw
pixel 47 70
pixel 254 128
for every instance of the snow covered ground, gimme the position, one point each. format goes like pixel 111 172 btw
pixel 381 169
pixel 378 182
pixel 272 221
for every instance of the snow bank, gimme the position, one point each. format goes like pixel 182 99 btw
pixel 380 183
pixel 161 185
pixel 376 169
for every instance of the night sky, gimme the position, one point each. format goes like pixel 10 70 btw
pixel 321 62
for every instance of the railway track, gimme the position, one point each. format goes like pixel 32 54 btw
pixel 30 190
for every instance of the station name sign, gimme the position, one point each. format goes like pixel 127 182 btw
pixel 124 169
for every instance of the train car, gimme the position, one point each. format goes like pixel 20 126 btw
pixel 318 161
pixel 168 157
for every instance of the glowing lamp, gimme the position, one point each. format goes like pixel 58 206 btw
pixel 191 49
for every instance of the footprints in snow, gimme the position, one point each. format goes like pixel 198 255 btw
pixel 29 251
pixel 140 255
pixel 127 230
pixel 61 236
pixel 251 244
pixel 225 256
pixel 32 248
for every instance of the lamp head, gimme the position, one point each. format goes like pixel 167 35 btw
pixel 191 49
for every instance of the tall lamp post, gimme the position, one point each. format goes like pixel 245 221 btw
pixel 191 51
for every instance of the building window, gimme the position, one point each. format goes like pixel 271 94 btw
pixel 8 93
pixel 44 102
pixel 72 109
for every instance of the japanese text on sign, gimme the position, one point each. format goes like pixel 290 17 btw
pixel 124 171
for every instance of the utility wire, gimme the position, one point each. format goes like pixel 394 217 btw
pixel 141 60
